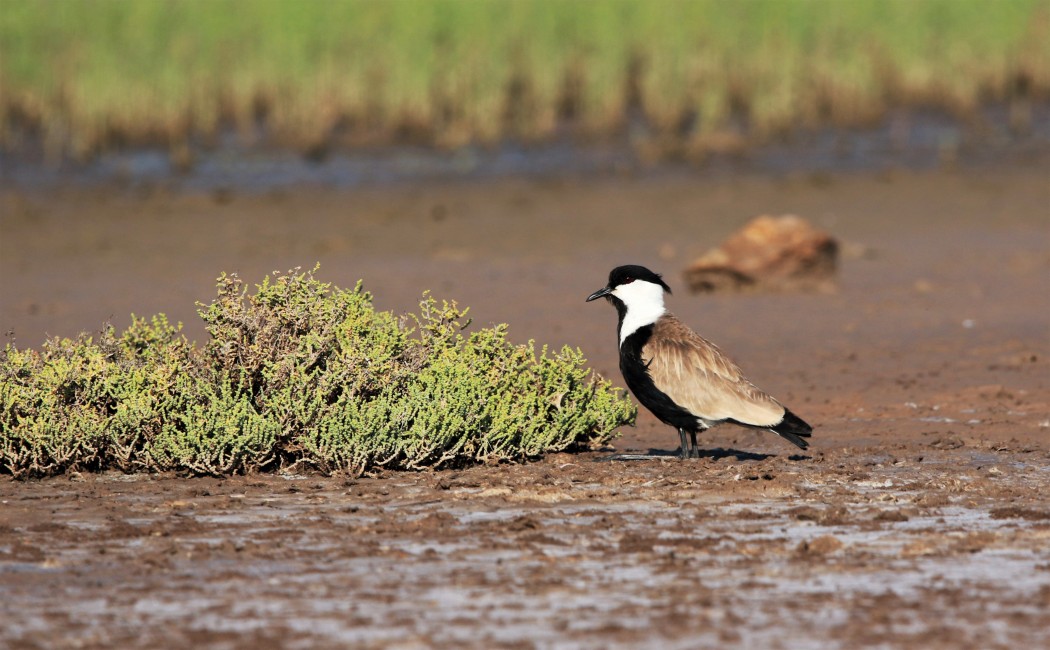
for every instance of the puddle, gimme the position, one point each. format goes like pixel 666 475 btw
pixel 909 140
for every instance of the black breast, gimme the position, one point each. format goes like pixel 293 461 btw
pixel 636 373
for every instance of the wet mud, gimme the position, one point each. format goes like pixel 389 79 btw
pixel 919 518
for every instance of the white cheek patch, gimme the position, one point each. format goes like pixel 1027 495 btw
pixel 645 304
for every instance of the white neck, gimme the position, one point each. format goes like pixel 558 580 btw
pixel 645 304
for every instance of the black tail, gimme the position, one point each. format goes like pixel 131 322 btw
pixel 793 429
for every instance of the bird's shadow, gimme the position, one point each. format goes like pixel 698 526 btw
pixel 717 453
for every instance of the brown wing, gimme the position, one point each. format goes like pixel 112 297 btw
pixel 697 376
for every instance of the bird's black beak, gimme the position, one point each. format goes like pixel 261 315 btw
pixel 604 291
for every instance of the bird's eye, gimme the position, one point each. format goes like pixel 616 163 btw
pixel 627 281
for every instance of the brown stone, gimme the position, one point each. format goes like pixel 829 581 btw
pixel 784 253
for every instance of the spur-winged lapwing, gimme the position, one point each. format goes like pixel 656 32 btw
pixel 678 375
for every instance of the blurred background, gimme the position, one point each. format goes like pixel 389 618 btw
pixel 147 146
pixel 662 80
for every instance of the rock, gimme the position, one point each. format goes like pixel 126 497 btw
pixel 783 253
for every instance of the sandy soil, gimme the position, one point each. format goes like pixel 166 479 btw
pixel 920 518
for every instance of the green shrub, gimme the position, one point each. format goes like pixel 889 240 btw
pixel 297 374
pixel 218 431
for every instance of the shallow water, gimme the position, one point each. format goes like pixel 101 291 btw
pixel 914 140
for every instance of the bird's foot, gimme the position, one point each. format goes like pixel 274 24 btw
pixel 684 444
pixel 694 449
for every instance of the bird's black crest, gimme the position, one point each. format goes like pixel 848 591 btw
pixel 630 272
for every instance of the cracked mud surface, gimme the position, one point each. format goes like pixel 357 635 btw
pixel 919 518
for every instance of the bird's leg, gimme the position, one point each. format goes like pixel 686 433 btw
pixel 685 448
pixel 694 450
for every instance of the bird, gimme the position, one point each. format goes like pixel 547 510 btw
pixel 681 377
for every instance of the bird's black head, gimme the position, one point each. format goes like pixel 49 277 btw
pixel 627 274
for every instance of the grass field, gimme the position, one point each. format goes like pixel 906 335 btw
pixel 85 76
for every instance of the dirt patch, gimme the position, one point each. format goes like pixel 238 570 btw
pixel 919 518
pixel 574 550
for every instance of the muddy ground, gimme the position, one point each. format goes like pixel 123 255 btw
pixel 920 517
